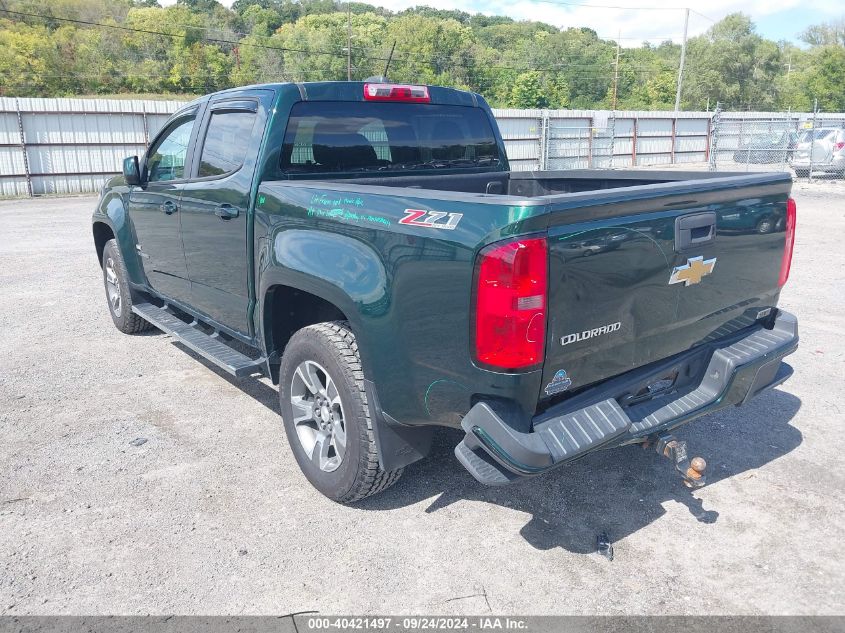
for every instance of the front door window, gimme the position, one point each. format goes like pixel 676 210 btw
pixel 167 158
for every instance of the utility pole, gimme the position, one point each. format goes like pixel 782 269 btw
pixel 348 42
pixel 681 67
pixel 616 73
pixel 812 138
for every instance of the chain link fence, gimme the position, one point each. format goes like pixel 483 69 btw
pixel 808 145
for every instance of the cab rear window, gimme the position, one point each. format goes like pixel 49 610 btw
pixel 330 137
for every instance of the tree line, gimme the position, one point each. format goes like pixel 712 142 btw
pixel 90 47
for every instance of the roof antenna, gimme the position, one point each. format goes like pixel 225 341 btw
pixel 389 58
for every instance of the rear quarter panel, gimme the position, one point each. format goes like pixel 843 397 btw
pixel 405 289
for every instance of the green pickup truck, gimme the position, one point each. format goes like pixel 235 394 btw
pixel 366 247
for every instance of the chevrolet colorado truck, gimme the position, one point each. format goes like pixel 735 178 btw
pixel 366 246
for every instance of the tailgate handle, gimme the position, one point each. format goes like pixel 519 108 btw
pixel 697 229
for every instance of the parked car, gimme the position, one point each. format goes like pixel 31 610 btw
pixel 828 152
pixel 771 147
pixel 752 218
pixel 366 247
pixel 600 243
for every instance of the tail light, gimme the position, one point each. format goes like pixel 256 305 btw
pixel 396 92
pixel 840 145
pixel 510 304
pixel 786 262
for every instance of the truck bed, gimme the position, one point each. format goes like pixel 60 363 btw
pixel 546 183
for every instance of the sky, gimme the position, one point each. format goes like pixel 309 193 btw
pixel 634 21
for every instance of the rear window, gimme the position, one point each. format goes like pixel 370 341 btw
pixel 818 134
pixel 325 137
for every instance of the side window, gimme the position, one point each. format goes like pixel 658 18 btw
pixel 167 158
pixel 226 142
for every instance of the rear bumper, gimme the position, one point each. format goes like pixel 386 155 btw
pixel 496 454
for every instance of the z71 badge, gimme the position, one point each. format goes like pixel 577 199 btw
pixel 431 219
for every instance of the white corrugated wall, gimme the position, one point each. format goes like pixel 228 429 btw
pixel 56 146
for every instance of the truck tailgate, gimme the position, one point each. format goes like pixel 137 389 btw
pixel 651 277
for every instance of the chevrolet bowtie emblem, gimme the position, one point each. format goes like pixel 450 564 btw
pixel 692 272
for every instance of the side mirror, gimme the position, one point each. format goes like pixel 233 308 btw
pixel 131 170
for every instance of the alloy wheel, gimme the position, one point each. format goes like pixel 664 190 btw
pixel 113 287
pixel 318 415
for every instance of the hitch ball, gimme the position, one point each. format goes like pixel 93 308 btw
pixel 696 469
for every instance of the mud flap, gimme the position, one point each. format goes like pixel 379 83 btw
pixel 398 445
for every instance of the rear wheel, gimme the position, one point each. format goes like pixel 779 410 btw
pixel 327 415
pixel 802 173
pixel 117 292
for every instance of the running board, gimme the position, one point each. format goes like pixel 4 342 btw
pixel 208 346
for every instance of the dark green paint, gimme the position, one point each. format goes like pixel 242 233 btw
pixel 407 291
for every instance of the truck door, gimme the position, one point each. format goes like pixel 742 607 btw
pixel 215 204
pixel 154 207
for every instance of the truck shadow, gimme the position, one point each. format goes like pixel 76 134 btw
pixel 617 491
pixel 261 392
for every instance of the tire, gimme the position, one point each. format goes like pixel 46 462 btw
pixel 766 225
pixel 802 173
pixel 334 447
pixel 118 297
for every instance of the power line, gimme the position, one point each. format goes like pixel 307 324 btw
pixel 339 53
pixel 606 6
pixel 702 15
pixel 650 37
pixel 474 69
pixel 175 35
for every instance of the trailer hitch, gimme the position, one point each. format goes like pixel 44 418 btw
pixel 691 470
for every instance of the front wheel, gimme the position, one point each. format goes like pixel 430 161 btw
pixel 118 295
pixel 327 415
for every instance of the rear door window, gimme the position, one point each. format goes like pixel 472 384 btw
pixel 226 142
pixel 325 137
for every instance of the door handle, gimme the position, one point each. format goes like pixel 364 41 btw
pixel 169 207
pixel 226 211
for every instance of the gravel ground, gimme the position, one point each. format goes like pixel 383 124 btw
pixel 135 478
